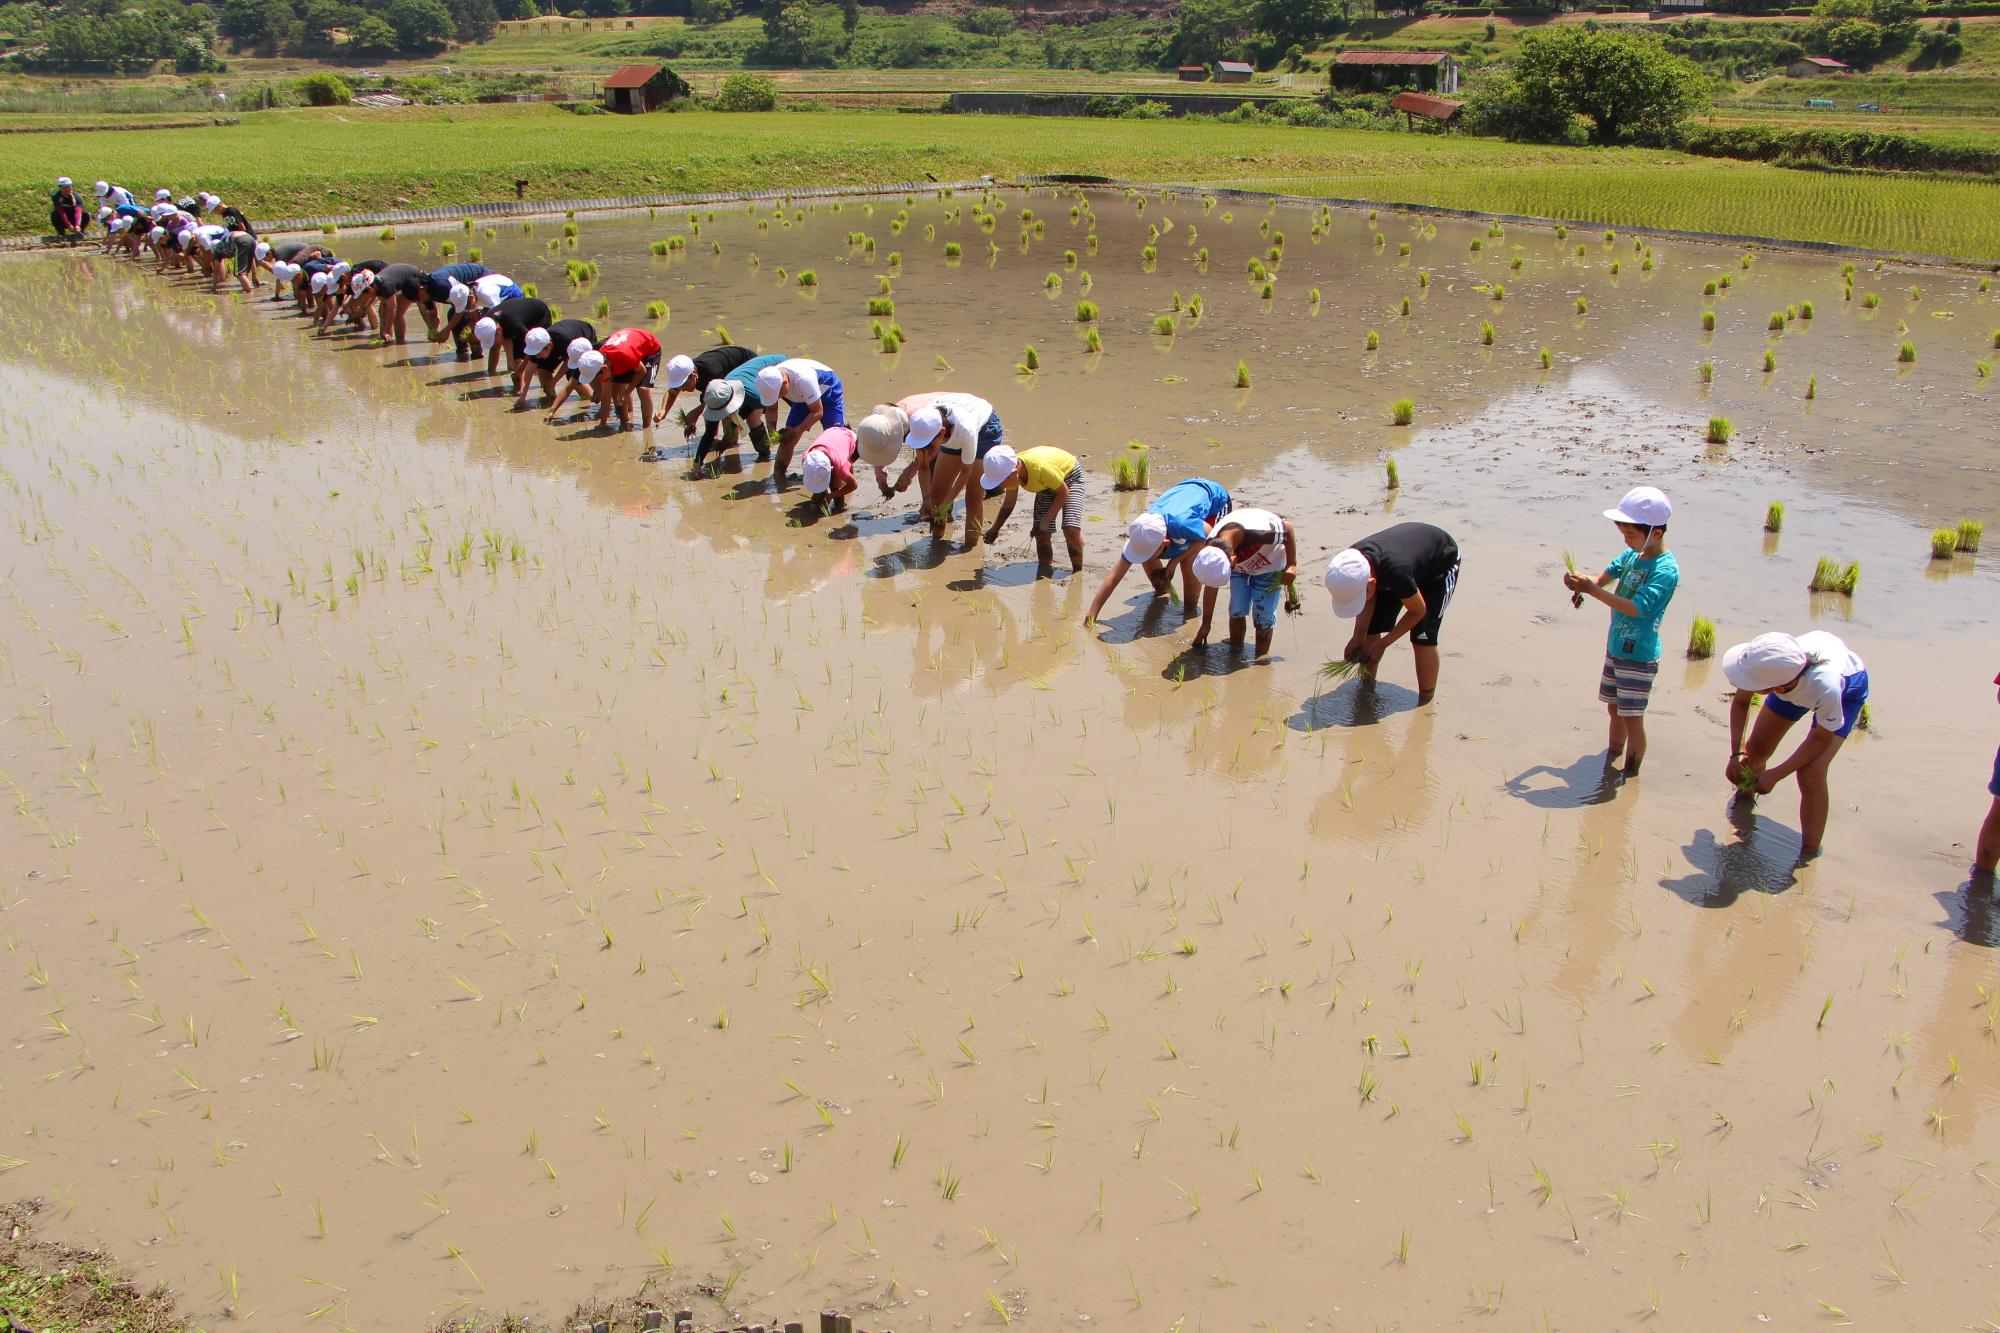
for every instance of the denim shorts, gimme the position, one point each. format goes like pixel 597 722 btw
pixel 1852 696
pixel 1256 596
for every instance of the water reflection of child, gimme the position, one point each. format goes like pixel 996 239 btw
pixel 1637 586
pixel 1814 673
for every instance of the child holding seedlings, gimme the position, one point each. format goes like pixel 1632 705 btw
pixel 1055 479
pixel 949 436
pixel 508 325
pixel 1815 673
pixel 1636 585
pixel 815 395
pixel 545 358
pixel 827 467
pixel 627 362
pixel 436 290
pixel 1411 566
pixel 731 400
pixel 392 292
pixel 693 374
pixel 1256 553
pixel 1161 538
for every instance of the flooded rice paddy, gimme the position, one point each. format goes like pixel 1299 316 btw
pixel 454 864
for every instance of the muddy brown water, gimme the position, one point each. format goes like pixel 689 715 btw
pixel 452 863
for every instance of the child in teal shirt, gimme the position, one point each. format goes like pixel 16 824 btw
pixel 1637 587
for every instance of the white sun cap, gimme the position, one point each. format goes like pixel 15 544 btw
pixel 770 383
pixel 1347 576
pixel 536 342
pixel 1764 663
pixel 1144 538
pixel 161 194
pixel 998 466
pixel 680 369
pixel 1643 507
pixel 461 296
pixel 817 469
pixel 590 366
pixel 486 330
pixel 320 282
pixel 926 424
pixel 64 180
pixel 1211 567
pixel 103 188
pixel 578 348
pixel 263 249
pixel 103 215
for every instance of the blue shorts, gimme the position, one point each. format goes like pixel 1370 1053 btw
pixel 1256 596
pixel 1852 696
pixel 1993 786
pixel 833 409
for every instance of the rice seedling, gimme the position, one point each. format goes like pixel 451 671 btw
pixel 1069 259
pixel 1944 543
pixel 1086 311
pixel 1030 362
pixel 1092 342
pixel 1562 232
pixel 1130 470
pixel 895 259
pixel 1242 375
pixel 1516 265
pixel 1701 638
pixel 1774 516
pixel 1405 309
pixel 1052 283
pixel 1906 354
pixel 448 248
pixel 1805 310
pixel 1486 332
pixel 1402 412
pixel 658 247
pixel 1270 290
pixel 568 231
pixel 953 250
pixel 602 309
pixel 1423 278
pixel 1373 341
pixel 1770 360
pixel 1477 245
pixel 1708 321
pixel 1164 326
pixel 1777 321
pixel 806 277
pixel 1720 429
pixel 1982 370
pixel 1870 300
pixel 1547 358
pixel 1312 297
pixel 656 310
pixel 1499 291
pixel 1582 305
pixel 1149 254
pixel 386 235
pixel 1812 386
pixel 1390 476
pixel 1829 575
pixel 1403 249
pixel 1970 533
pixel 1707 372
pixel 881 305
pixel 1614 268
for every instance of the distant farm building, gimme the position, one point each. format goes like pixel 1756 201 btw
pixel 1414 106
pixel 1192 73
pixel 1428 71
pixel 1817 67
pixel 635 88
pixel 1232 71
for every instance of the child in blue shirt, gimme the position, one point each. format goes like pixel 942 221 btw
pixel 1637 587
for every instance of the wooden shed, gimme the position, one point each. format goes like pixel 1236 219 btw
pixel 1233 71
pixel 1192 73
pixel 635 88
pixel 1443 110
pixel 1817 67
pixel 1428 71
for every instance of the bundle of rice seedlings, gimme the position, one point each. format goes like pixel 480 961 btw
pixel 1720 429
pixel 1944 543
pixel 1402 411
pixel 1777 323
pixel 1708 321
pixel 658 247
pixel 1091 342
pixel 1390 474
pixel 1242 374
pixel 1548 358
pixel 1774 517
pixel 1130 470
pixel 1086 311
pixel 1373 341
pixel 475 254
pixel 656 310
pixel 1707 371
pixel 1906 354
pixel 1164 326
pixel 1486 332
pixel 1582 305
pixel 602 309
pixel 881 305
pixel 1812 386
pixel 1970 531
pixel 1337 669
pixel 1770 360
pixel 1701 638
pixel 807 278
pixel 1030 362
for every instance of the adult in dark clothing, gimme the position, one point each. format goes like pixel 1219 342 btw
pixel 1397 582
pixel 233 218
pixel 545 357
pixel 393 291
pixel 692 374
pixel 66 212
pixel 506 325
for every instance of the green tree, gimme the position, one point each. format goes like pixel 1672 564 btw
pixel 1626 85
pixel 473 20
pixel 850 16
pixel 744 91
pixel 707 13
pixel 1284 23
pixel 259 25
pixel 788 31
pixel 1854 40
pixel 1209 30
pixel 372 37
pixel 421 25
pixel 319 18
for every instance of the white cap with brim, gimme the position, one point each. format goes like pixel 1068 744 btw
pixel 461 296
pixel 680 369
pixel 1347 576
pixel 1643 507
pixel 161 194
pixel 536 342
pixel 926 424
pixel 322 281
pixel 263 249
pixel 817 470
pixel 590 367
pixel 1211 567
pixel 770 384
pixel 486 330
pixel 361 282
pixel 1144 538
pixel 64 180
pixel 998 466
pixel 156 235
pixel 578 349
pixel 1764 663
pixel 722 399
pixel 103 215
pixel 102 188
pixel 879 435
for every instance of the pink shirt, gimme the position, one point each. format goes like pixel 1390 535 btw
pixel 839 446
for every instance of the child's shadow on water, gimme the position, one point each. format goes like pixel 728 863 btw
pixel 1591 780
pixel 918 555
pixel 1725 871
pixel 1215 661
pixel 1972 910
pixel 1353 703
pixel 1150 617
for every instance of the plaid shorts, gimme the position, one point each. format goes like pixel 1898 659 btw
pixel 1627 684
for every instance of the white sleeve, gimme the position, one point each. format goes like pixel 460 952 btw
pixel 1829 711
pixel 807 384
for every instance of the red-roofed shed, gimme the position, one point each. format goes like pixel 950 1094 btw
pixel 634 88
pixel 1431 71
pixel 1444 110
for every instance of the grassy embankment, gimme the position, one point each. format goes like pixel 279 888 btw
pixel 58 1289
pixel 281 163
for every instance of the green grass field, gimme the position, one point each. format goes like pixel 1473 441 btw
pixel 306 163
